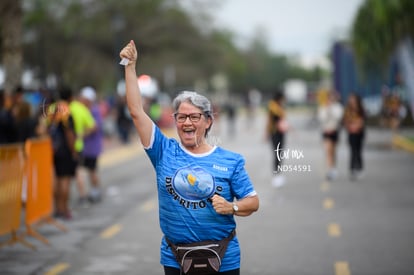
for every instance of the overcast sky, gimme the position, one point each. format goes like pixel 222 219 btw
pixel 304 27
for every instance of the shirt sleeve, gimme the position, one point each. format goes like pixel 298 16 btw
pixel 158 144
pixel 241 184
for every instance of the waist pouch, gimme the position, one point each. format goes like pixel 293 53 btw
pixel 201 257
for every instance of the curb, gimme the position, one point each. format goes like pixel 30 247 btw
pixel 403 143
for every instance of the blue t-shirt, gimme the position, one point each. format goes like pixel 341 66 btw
pixel 185 182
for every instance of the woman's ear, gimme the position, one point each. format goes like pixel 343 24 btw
pixel 209 124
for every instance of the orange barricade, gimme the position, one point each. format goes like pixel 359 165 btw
pixel 12 164
pixel 39 203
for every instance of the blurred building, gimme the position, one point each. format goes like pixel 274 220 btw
pixel 346 78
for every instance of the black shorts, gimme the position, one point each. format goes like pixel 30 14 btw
pixel 175 271
pixel 89 162
pixel 65 166
pixel 333 136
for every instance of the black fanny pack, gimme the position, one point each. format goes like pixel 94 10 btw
pixel 201 257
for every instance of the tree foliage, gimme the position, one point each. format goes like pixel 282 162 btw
pixel 79 42
pixel 81 39
pixel 379 27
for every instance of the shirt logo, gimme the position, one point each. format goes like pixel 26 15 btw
pixel 193 183
pixel 221 168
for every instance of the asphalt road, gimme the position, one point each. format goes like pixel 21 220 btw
pixel 309 226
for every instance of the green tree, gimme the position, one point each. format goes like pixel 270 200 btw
pixel 79 41
pixel 379 27
pixel 266 71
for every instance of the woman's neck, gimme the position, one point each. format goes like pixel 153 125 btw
pixel 201 148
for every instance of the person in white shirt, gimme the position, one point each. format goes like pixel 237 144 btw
pixel 330 117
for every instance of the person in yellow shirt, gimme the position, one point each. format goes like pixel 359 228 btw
pixel 276 129
pixel 84 124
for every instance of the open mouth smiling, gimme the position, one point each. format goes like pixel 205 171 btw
pixel 189 133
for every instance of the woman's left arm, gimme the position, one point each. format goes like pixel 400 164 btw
pixel 245 206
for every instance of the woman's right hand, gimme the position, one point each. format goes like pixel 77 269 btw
pixel 129 52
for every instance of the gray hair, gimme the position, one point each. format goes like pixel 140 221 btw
pixel 198 101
